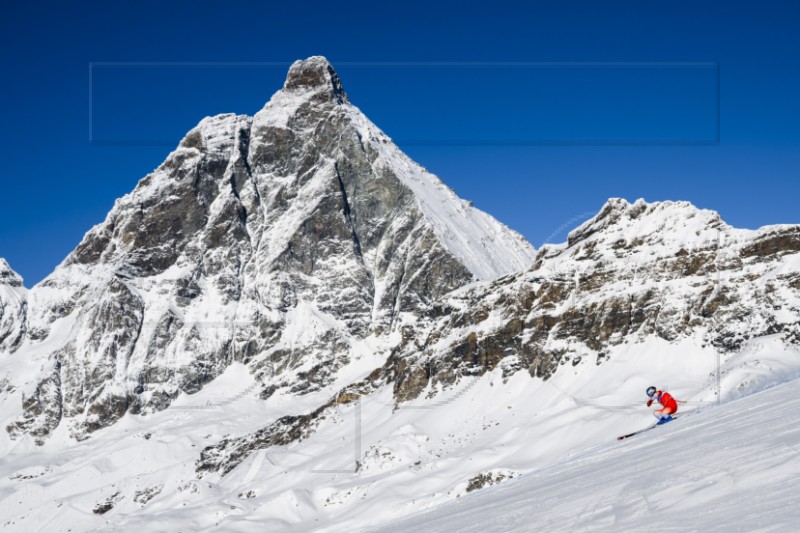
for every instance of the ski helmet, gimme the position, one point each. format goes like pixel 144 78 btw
pixel 651 391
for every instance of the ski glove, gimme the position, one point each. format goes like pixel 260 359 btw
pixel 649 402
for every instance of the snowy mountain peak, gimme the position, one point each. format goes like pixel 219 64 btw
pixel 213 133
pixel 280 241
pixel 315 74
pixel 486 247
pixel 8 276
pixel 670 225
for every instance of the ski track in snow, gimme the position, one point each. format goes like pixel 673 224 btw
pixel 734 467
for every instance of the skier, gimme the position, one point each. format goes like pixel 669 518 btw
pixel 668 403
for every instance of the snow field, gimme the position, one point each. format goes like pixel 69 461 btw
pixel 411 458
pixel 734 467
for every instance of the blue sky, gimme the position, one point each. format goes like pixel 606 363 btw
pixel 537 113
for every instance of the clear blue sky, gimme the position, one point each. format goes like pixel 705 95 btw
pixel 537 113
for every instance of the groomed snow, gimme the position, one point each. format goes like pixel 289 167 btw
pixel 735 467
pixel 558 435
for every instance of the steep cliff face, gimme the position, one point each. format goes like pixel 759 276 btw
pixel 633 273
pixel 13 308
pixel 278 240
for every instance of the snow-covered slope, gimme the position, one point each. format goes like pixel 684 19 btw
pixel 730 468
pixel 484 245
pixel 370 464
pixel 649 295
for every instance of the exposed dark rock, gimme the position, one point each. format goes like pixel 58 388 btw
pixel 486 479
pixel 13 308
pixel 313 73
pixel 779 241
pixel 228 453
pixel 106 505
pixel 145 495
pixel 42 408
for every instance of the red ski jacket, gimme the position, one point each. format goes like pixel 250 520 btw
pixel 666 400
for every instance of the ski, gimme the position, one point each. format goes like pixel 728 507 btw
pixel 623 437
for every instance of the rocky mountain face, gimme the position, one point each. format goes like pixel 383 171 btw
pixel 279 240
pixel 633 272
pixel 13 308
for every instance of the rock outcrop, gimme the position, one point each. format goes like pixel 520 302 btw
pixel 633 271
pixel 13 308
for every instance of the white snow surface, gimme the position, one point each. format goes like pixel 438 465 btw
pixel 557 436
pixel 730 468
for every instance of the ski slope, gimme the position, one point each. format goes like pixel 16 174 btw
pixel 729 467
pixel 556 436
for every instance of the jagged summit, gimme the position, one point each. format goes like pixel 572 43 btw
pixel 315 73
pixel 670 225
pixel 487 248
pixel 8 276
